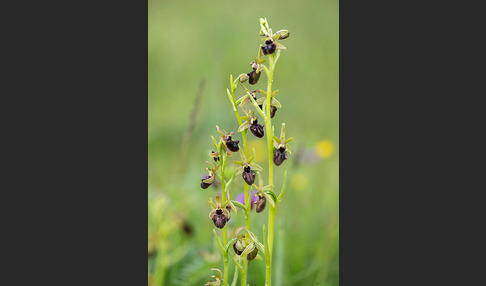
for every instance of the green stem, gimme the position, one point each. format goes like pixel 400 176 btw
pixel 271 212
pixel 225 231
pixel 245 271
pixel 245 189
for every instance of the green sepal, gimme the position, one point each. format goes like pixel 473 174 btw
pixel 276 103
pixel 249 248
pixel 260 247
pixel 213 205
pixel 239 229
pixel 245 125
pixel 243 100
pixel 256 167
pixel 288 140
pixel 280 46
pixel 214 140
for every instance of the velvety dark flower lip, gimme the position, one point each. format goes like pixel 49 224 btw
pixel 279 155
pixel 248 175
pixel 256 129
pixel 261 202
pixel 232 144
pixel 219 215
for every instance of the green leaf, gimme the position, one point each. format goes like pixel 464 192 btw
pixel 238 204
pixel 219 242
pixel 231 99
pixel 237 264
pixel 270 198
pixel 230 243
pixel 232 206
pixel 282 192
pixel 272 194
pixel 235 277
pixel 265 242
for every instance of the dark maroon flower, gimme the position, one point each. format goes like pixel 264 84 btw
pixel 248 175
pixel 256 129
pixel 252 254
pixel 279 155
pixel 273 110
pixel 219 217
pixel 253 77
pixel 260 205
pixel 269 48
pixel 231 144
pixel 206 181
pixel 236 250
pixel 215 156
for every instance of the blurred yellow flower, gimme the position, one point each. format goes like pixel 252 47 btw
pixel 298 182
pixel 325 149
pixel 260 150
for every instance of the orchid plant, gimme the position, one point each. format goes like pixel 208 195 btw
pixel 245 245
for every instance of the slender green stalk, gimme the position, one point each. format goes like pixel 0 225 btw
pixel 245 271
pixel 245 189
pixel 271 212
pixel 225 230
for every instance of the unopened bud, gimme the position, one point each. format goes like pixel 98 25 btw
pixel 243 77
pixel 283 34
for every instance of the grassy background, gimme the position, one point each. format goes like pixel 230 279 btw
pixel 190 42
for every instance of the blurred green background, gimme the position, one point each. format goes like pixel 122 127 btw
pixel 193 47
